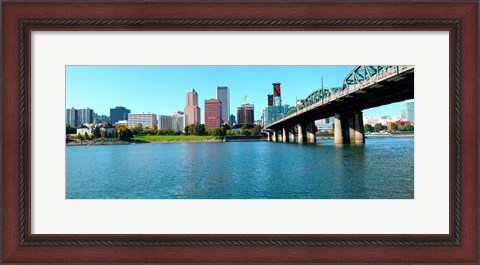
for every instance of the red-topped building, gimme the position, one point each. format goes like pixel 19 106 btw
pixel 213 113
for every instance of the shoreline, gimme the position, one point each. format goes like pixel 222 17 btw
pixel 143 142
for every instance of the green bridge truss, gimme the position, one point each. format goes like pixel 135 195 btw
pixel 359 76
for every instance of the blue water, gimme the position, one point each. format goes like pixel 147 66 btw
pixel 382 168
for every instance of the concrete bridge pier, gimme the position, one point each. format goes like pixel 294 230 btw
pixel 269 136
pixel 291 134
pixel 310 131
pixel 358 127
pixel 301 133
pixel 349 128
pixel 279 136
pixel 284 135
pixel 275 136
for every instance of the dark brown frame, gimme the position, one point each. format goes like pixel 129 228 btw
pixel 20 246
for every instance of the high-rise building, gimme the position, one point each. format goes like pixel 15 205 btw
pixel 165 122
pixel 118 113
pixel 192 111
pixel 410 113
pixel 245 114
pixel 273 111
pixel 232 120
pixel 178 121
pixel 213 113
pixel 175 122
pixel 71 116
pixel 223 94
pixel 85 116
pixel 146 119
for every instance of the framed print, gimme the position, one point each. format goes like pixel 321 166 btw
pixel 301 132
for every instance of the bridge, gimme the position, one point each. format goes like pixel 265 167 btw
pixel 364 87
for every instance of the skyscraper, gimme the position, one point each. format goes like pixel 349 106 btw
pixel 245 114
pixel 71 116
pixel 213 113
pixel 85 116
pixel 223 94
pixel 232 120
pixel 192 111
pixel 118 113
pixel 408 113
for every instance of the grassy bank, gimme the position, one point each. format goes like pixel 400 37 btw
pixel 173 137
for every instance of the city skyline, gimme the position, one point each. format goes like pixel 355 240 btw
pixel 162 89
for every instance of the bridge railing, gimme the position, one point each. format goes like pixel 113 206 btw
pixel 359 78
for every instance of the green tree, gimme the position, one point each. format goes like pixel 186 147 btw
pixel 85 135
pixel 368 128
pixel 137 129
pixel 96 132
pixel 393 127
pixel 409 127
pixel 196 129
pixel 378 127
pixel 124 134
pixel 257 129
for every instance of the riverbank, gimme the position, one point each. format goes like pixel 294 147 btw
pixel 149 139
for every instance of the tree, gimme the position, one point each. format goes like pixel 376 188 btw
pixel 137 129
pixel 257 129
pixel 409 127
pixel 196 129
pixel 85 135
pixel 378 127
pixel 393 127
pixel 124 134
pixel 226 126
pixel 96 132
pixel 368 128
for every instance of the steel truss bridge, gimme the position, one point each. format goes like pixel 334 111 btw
pixel 364 87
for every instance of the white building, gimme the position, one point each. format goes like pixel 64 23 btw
pixel 146 119
pixel 175 122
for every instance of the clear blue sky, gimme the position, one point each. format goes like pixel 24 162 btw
pixel 162 89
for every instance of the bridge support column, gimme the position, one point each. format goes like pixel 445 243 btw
pixel 358 127
pixel 301 133
pixel 310 130
pixel 338 139
pixel 284 135
pixel 275 135
pixel 349 128
pixel 291 134
pixel 269 136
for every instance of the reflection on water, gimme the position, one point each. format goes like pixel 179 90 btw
pixel 382 168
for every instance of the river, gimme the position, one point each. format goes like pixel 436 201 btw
pixel 380 169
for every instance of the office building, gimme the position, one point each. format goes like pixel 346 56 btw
pixel 175 122
pixel 245 114
pixel 213 113
pixel 118 113
pixel 146 119
pixel 165 122
pixel 192 111
pixel 410 111
pixel 223 94
pixel 272 112
pixel 178 121
pixel 232 120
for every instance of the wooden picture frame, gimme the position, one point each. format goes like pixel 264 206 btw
pixel 18 245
